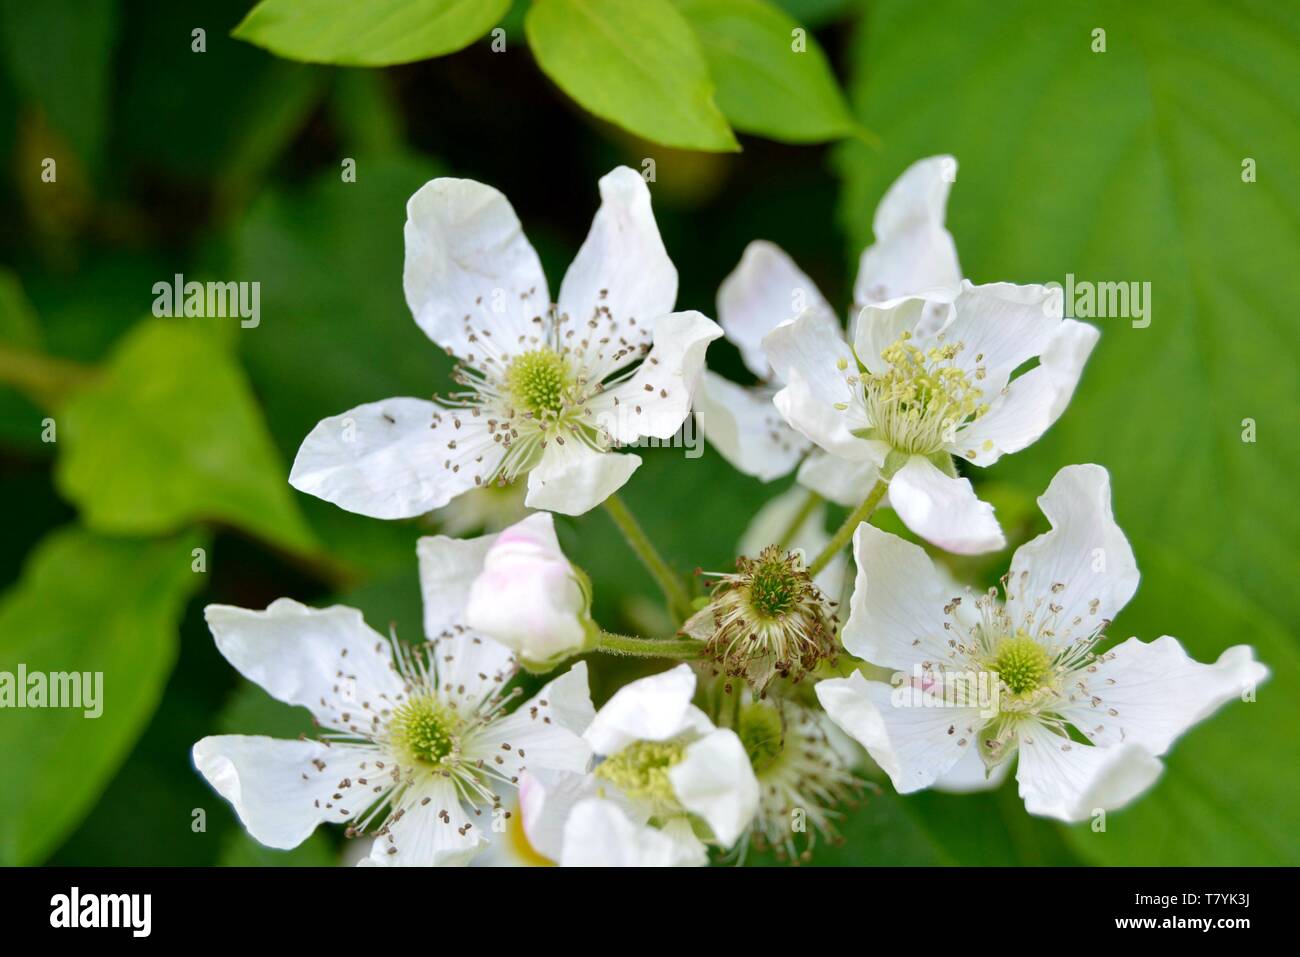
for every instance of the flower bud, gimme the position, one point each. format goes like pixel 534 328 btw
pixel 530 598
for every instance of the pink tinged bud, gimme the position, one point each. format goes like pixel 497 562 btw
pixel 528 596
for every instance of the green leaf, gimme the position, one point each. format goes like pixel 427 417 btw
pixel 84 604
pixel 373 33
pixel 1227 796
pixel 169 435
pixel 772 77
pixel 635 63
pixel 1127 166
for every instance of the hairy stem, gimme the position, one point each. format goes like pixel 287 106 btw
pixel 845 533
pixel 680 648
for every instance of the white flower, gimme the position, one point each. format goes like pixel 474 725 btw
pixel 546 389
pixel 1022 676
pixel 416 745
pixel 910 394
pixel 528 596
pixel 913 253
pixel 668 781
pixel 804 766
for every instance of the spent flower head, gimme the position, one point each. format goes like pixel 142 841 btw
pixel 766 619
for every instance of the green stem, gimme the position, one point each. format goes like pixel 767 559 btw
pixel 679 602
pixel 845 532
pixel 44 379
pixel 806 509
pixel 680 648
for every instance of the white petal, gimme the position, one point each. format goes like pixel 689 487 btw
pixel 896 615
pixel 823 360
pixel 817 400
pixel 421 838
pixel 944 510
pixel 546 799
pixel 1085 552
pixel 1150 694
pixel 1032 402
pixel 842 482
pixel 469 267
pixel 655 708
pixel 528 596
pixel 916 743
pixel 765 289
pixel 448 567
pixel 572 479
pixel 745 428
pixel 391 459
pixel 881 325
pixel 276 788
pixel 971 775
pixel 544 732
pixel 829 427
pixel 296 654
pixel 622 278
pixel 599 834
pixel 1070 781
pixel 715 780
pixel 913 251
pixel 1001 326
pixel 656 399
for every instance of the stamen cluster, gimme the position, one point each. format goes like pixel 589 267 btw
pixel 918 405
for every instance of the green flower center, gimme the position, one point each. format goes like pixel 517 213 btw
pixel 1022 663
pixel 424 731
pixel 539 382
pixel 773 589
pixel 761 733
pixel 920 402
pixel 640 770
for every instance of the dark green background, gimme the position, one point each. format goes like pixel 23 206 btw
pixel 1122 165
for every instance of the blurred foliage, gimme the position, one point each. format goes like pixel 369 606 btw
pixel 228 164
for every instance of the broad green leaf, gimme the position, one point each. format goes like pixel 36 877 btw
pixel 1126 165
pixel 373 33
pixel 772 77
pixel 1228 792
pixel 170 434
pixel 635 63
pixel 815 13
pixel 84 604
pixel 59 55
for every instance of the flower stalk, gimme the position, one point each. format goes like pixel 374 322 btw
pixel 679 602
pixel 845 532
pixel 683 649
